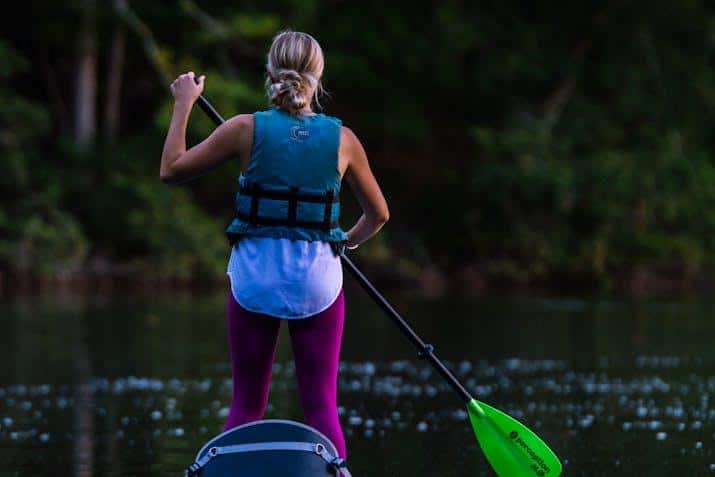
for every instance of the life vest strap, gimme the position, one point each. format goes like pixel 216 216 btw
pixel 293 196
pixel 328 211
pixel 293 207
pixel 254 189
pixel 258 220
pixel 255 197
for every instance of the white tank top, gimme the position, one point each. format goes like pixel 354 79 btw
pixel 284 278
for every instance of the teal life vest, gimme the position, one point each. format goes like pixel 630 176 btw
pixel 291 186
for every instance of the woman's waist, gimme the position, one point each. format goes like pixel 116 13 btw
pixel 282 247
pixel 284 259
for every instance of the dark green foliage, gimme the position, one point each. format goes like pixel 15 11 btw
pixel 36 235
pixel 535 143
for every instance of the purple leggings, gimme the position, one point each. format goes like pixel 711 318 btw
pixel 316 349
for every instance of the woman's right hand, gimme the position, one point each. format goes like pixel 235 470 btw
pixel 186 90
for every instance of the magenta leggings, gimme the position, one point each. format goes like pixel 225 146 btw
pixel 316 349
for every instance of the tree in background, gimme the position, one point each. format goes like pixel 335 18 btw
pixel 516 142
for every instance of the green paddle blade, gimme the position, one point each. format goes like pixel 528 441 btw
pixel 509 446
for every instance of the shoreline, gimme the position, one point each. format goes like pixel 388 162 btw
pixel 430 281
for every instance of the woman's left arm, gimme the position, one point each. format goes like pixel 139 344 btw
pixel 178 164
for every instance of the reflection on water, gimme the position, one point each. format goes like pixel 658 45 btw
pixel 83 403
pixel 125 385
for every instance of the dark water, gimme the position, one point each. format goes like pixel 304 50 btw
pixel 128 385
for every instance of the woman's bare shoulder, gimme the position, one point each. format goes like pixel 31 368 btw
pixel 241 128
pixel 352 154
pixel 240 121
pixel 346 132
pixel 348 139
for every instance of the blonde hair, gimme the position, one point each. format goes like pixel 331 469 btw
pixel 293 71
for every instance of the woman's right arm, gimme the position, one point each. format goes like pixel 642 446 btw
pixel 363 184
pixel 229 139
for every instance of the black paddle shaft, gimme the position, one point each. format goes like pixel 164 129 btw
pixel 425 350
pixel 208 107
pixel 209 110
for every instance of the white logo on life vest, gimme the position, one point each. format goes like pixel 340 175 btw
pixel 298 133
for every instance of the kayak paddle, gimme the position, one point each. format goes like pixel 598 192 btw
pixel 512 449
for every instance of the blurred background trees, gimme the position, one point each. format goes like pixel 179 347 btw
pixel 516 144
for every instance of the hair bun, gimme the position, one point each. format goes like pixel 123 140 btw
pixel 294 67
pixel 289 90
